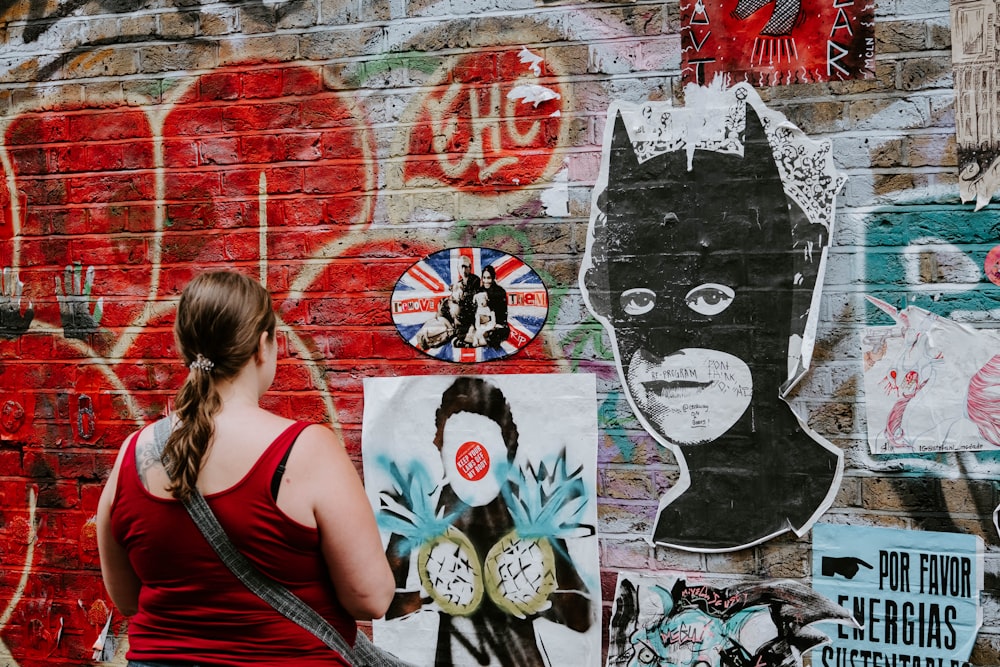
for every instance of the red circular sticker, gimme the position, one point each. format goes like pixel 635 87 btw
pixel 993 265
pixel 472 461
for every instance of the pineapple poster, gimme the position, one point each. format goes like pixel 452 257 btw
pixel 484 489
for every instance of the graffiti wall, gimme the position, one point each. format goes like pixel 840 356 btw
pixel 419 184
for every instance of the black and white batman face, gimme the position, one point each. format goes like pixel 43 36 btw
pixel 699 272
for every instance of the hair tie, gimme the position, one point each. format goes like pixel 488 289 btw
pixel 201 363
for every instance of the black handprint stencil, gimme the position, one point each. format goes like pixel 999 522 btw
pixel 13 322
pixel 73 294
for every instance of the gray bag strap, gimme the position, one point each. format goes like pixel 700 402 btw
pixel 283 600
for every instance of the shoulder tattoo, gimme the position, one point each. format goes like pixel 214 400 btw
pixel 145 460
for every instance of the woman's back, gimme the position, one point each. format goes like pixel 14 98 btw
pixel 314 531
pixel 190 603
pixel 241 436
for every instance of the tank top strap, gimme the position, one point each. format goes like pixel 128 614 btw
pixel 276 451
pixel 128 474
pixel 129 458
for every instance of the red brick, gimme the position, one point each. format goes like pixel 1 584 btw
pixel 93 126
pixel 257 116
pixel 247 181
pixel 189 120
pixel 181 152
pixel 224 85
pixel 261 83
pixel 329 111
pixel 335 179
pixel 301 81
pixel 38 128
pixel 219 150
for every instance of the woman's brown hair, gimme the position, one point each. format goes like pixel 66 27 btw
pixel 477 396
pixel 220 318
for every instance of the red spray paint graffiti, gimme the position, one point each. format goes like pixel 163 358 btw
pixel 266 170
pixel 270 151
pixel 493 121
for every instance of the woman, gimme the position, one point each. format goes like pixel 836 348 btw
pixel 496 300
pixel 304 521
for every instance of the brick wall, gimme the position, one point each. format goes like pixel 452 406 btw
pixel 327 145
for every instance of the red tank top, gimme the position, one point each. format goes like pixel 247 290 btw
pixel 191 607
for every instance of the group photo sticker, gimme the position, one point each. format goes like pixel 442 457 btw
pixel 467 305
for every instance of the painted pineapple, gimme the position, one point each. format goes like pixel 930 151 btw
pixel 546 505
pixel 450 572
pixel 447 563
pixel 518 573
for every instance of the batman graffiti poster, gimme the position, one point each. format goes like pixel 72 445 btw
pixel 488 513
pixel 708 237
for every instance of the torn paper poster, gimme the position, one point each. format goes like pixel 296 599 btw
pixel 931 384
pixel 974 25
pixel 488 511
pixel 711 304
pixel 665 620
pixel 915 595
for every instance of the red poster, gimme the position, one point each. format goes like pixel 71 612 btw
pixel 777 42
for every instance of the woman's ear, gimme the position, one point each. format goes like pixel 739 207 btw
pixel 260 356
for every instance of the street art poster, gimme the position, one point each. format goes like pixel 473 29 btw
pixel 778 42
pixel 469 304
pixel 931 384
pixel 667 621
pixel 487 508
pixel 974 25
pixel 711 301
pixel 991 265
pixel 914 595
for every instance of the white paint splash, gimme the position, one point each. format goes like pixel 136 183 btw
pixel 556 198
pixel 532 93
pixel 953 270
pixel 533 61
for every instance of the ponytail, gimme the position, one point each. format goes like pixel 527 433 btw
pixel 196 403
pixel 220 318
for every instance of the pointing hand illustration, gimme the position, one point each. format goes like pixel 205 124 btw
pixel 846 566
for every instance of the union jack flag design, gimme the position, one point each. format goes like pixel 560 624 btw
pixel 423 296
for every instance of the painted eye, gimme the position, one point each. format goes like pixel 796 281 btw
pixel 709 299
pixel 646 656
pixel 638 300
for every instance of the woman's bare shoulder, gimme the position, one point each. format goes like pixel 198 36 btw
pixel 321 440
pixel 319 453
